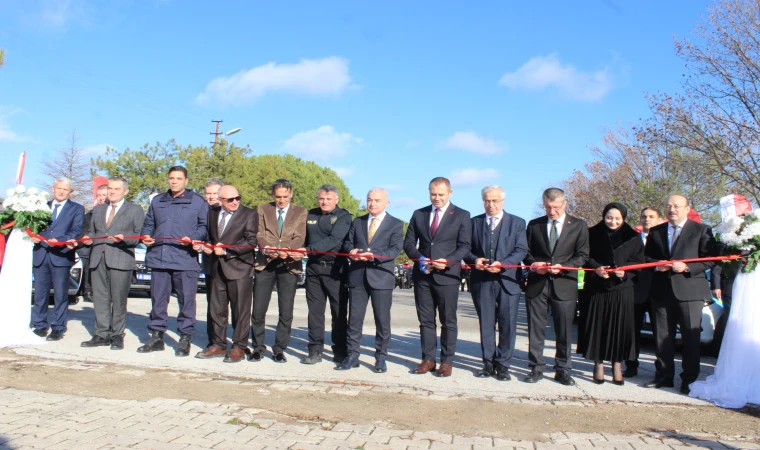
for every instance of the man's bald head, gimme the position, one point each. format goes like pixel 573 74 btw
pixel 229 198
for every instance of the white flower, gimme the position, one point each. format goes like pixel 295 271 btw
pixel 32 191
pixel 24 203
pixel 10 192
pixel 20 189
pixel 6 203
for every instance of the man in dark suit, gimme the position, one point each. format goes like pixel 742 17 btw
pixel 679 290
pixel 374 240
pixel 649 218
pixel 554 240
pixel 498 239
pixel 51 264
pixel 441 234
pixel 211 194
pixel 231 282
pixel 282 227
pixel 112 262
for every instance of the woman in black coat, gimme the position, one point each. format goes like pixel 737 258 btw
pixel 608 326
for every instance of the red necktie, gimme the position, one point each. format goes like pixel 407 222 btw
pixel 434 225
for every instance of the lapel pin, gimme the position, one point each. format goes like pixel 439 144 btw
pixel 451 212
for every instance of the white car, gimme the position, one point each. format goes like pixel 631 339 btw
pixel 142 274
pixel 75 281
pixel 711 314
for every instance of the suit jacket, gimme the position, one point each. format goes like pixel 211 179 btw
pixel 240 230
pixel 451 242
pixel 268 235
pixel 571 250
pixel 511 248
pixel 127 221
pixel 695 241
pixel 68 225
pixel 626 249
pixel 388 241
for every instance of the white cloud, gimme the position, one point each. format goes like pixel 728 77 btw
pixel 6 134
pixel 471 142
pixel 320 144
pixel 392 187
pixel 56 13
pixel 404 202
pixel 469 177
pixel 343 171
pixel 96 150
pixel 321 77
pixel 548 73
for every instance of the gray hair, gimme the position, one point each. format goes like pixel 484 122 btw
pixel 213 182
pixel 65 180
pixel 554 194
pixel 378 189
pixel 493 187
pixel 123 180
pixel 328 188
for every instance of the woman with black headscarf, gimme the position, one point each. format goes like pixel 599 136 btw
pixel 608 325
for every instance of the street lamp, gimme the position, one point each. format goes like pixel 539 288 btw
pixel 217 133
pixel 232 131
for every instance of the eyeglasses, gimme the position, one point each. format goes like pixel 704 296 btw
pixel 231 199
pixel 675 207
pixel 492 202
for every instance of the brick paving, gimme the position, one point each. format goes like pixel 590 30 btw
pixel 31 419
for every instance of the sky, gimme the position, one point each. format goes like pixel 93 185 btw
pixel 388 94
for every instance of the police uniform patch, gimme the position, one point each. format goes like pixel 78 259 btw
pixel 333 219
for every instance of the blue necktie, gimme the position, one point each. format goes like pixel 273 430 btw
pixel 55 211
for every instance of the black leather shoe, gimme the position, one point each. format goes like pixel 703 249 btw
pixel 380 366
pixel 87 297
pixel 564 378
pixel 486 372
pixel 502 373
pixel 255 356
pixel 630 372
pixel 183 349
pixel 55 335
pixel 534 377
pixel 351 362
pixel 154 344
pixel 42 332
pixel 657 384
pixel 117 342
pixel 279 357
pixel 96 341
pixel 313 358
pixel 685 388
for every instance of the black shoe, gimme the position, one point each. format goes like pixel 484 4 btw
pixel 618 382
pixel 183 349
pixel 564 378
pixel 657 384
pixel 255 356
pixel 685 388
pixel 313 358
pixel 41 332
pixel 154 344
pixel 55 335
pixel 279 357
pixel 87 297
pixel 502 373
pixel 117 342
pixel 630 372
pixel 598 380
pixel 486 372
pixel 380 366
pixel 338 357
pixel 351 362
pixel 534 377
pixel 96 341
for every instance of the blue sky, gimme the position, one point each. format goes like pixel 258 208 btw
pixel 387 93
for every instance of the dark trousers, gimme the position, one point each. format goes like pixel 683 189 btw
pixel 185 283
pixel 493 303
pixel 639 310
pixel 45 276
pixel 428 297
pixel 229 295
pixel 562 313
pixel 109 300
pixel 262 294
pixel 86 275
pixel 209 328
pixel 358 298
pixel 687 315
pixel 323 283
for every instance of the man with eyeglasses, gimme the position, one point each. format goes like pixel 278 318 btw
pixel 498 239
pixel 231 281
pixel 211 194
pixel 282 227
pixel 678 290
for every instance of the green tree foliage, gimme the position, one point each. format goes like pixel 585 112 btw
pixel 253 175
pixel 2 57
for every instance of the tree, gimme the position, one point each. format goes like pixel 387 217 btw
pixel 70 162
pixel 2 57
pixel 718 116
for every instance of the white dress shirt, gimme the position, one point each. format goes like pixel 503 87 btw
pixel 379 218
pixel 53 203
pixel 440 214
pixel 284 212
pixel 112 205
pixel 672 230
pixel 560 223
pixel 497 217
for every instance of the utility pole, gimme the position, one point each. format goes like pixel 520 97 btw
pixel 217 133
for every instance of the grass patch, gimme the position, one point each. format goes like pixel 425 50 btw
pixel 237 421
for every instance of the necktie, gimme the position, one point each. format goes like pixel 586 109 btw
pixel 434 225
pixel 676 233
pixel 55 211
pixel 110 216
pixel 492 223
pixel 280 220
pixel 372 229
pixel 222 223
pixel 553 236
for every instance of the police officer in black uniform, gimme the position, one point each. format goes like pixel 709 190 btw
pixel 326 227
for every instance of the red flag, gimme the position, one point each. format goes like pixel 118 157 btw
pixel 694 215
pixel 20 171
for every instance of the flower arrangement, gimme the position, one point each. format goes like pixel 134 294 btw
pixel 26 208
pixel 741 235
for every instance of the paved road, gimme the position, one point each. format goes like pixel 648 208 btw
pixel 404 355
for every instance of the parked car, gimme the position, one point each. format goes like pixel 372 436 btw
pixel 75 283
pixel 711 334
pixel 142 274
